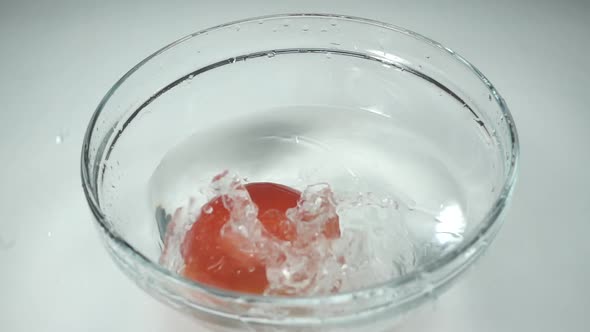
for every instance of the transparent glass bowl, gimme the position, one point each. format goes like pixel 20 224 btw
pixel 390 107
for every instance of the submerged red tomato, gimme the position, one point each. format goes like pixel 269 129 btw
pixel 216 260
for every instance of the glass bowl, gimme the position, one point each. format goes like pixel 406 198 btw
pixel 363 105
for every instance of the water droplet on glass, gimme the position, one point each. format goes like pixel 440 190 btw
pixel 386 201
pixel 470 252
pixel 305 28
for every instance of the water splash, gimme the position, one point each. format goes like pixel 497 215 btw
pixel 371 244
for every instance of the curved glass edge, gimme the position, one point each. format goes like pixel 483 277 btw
pixel 499 205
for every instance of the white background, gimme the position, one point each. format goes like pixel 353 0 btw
pixel 58 58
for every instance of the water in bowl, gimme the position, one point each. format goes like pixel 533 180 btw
pixel 387 196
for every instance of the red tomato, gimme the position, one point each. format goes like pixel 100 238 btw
pixel 216 260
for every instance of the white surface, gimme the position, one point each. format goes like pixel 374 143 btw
pixel 58 58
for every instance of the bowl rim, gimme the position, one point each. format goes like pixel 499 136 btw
pixel 482 231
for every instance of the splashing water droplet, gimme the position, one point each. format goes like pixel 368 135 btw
pixel 58 139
